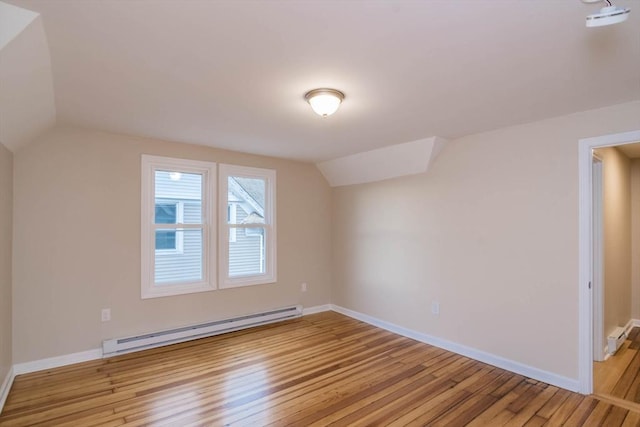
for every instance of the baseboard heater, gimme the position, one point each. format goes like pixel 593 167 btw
pixel 615 339
pixel 156 339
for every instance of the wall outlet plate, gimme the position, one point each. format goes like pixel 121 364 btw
pixel 435 308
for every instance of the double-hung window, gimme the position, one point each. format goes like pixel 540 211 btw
pixel 178 226
pixel 184 248
pixel 247 226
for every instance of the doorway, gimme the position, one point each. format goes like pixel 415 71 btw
pixel 586 343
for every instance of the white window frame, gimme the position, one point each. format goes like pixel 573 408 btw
pixel 150 164
pixel 270 274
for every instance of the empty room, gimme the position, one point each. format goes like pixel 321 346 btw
pixel 318 212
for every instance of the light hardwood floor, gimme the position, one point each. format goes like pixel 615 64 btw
pixel 618 378
pixel 323 369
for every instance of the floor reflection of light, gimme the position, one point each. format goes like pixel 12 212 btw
pixel 251 383
pixel 166 406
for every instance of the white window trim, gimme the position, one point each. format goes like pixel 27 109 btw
pixel 179 236
pixel 270 274
pixel 208 171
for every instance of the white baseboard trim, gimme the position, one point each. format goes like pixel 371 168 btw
pixel 491 359
pixel 6 386
pixel 630 325
pixel 56 362
pixel 316 309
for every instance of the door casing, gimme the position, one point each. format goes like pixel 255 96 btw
pixel 585 249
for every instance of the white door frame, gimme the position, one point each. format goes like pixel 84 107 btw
pixel 597 260
pixel 585 252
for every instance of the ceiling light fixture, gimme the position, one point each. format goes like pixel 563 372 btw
pixel 608 15
pixel 324 102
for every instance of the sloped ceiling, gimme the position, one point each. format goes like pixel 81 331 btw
pixel 27 105
pixel 13 20
pixel 408 158
pixel 232 74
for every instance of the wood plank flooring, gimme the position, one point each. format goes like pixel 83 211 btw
pixel 619 376
pixel 323 369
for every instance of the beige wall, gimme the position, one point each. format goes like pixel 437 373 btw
pixel 77 243
pixel 635 238
pixel 491 232
pixel 616 230
pixel 6 212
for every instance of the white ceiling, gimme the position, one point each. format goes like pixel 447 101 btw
pixel 232 74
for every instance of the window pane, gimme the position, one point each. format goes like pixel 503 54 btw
pixel 166 240
pixel 181 190
pixel 246 196
pixel 183 264
pixel 166 213
pixel 247 252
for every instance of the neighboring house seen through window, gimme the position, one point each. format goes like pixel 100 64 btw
pixel 232 214
pixel 169 213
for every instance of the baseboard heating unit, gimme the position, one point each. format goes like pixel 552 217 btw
pixel 116 346
pixel 615 339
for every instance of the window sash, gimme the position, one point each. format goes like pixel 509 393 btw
pixel 225 229
pixel 151 164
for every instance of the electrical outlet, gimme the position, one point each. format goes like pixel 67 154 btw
pixel 435 308
pixel 106 314
pixel 303 287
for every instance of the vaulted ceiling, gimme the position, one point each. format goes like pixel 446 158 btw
pixel 232 74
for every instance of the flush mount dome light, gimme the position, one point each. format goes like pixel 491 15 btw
pixel 608 15
pixel 324 102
